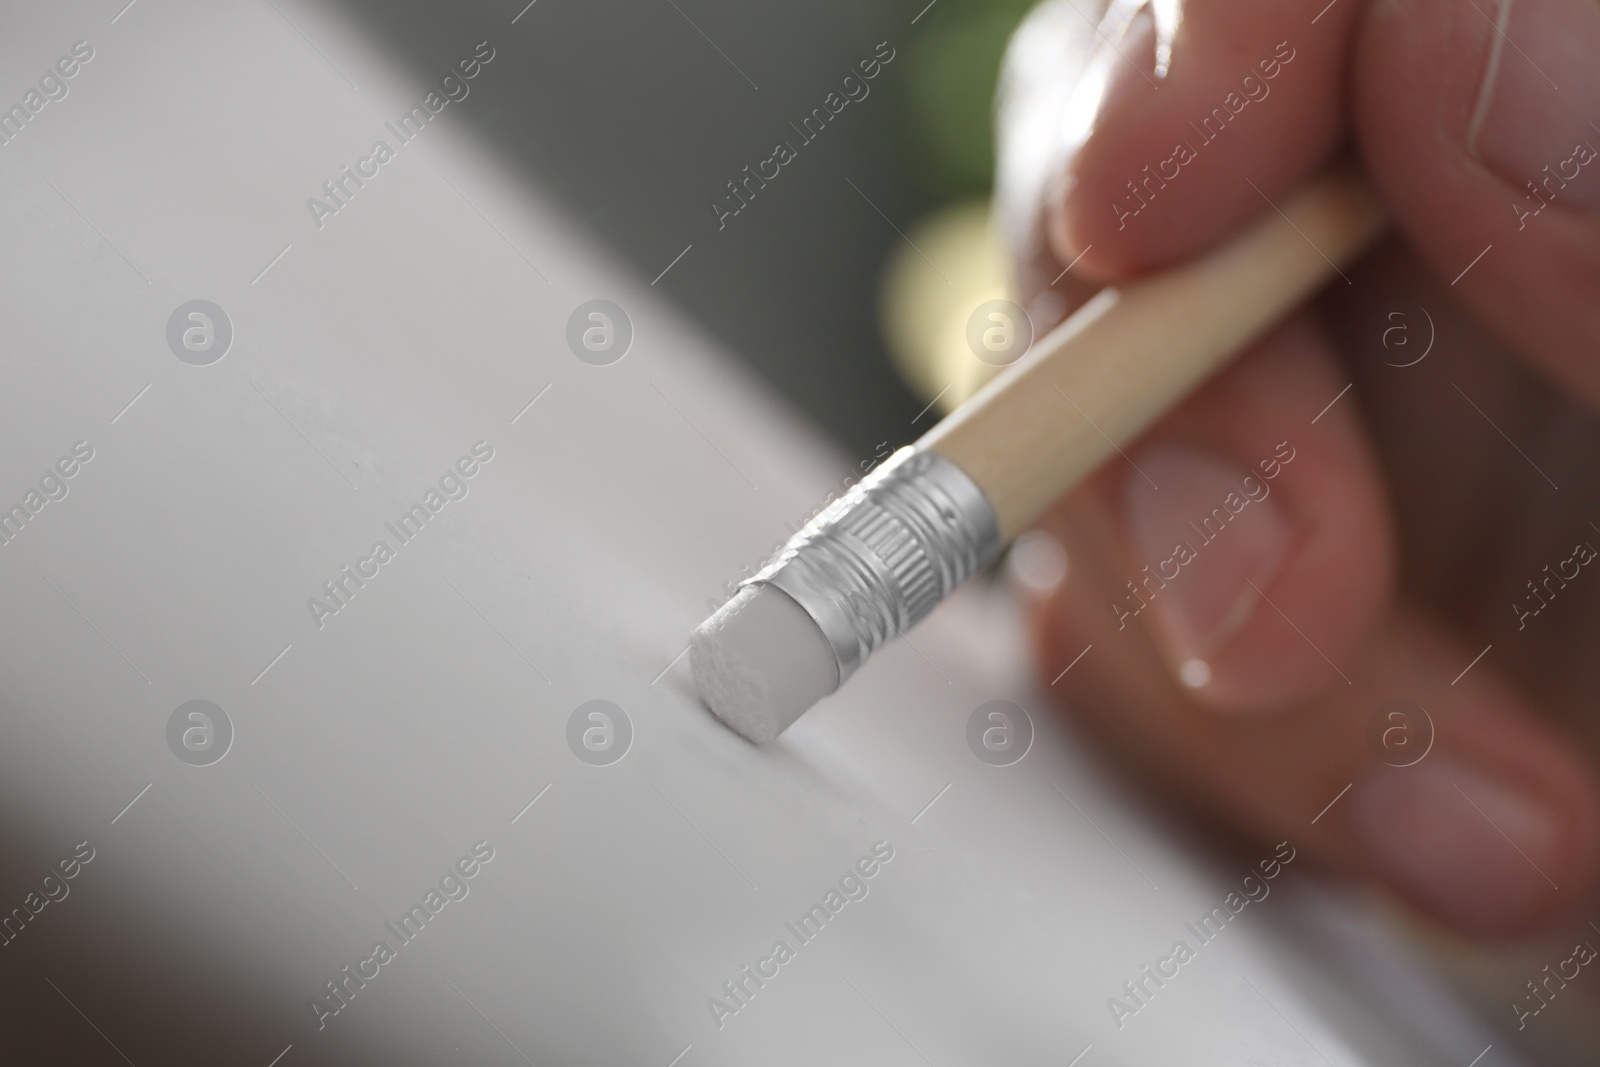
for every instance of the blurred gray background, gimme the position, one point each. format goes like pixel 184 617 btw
pixel 635 113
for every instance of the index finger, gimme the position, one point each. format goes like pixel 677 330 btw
pixel 1186 126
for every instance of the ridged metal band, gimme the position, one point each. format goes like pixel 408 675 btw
pixel 876 561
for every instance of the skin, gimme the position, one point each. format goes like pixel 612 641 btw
pixel 1413 525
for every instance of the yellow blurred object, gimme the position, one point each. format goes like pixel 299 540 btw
pixel 951 266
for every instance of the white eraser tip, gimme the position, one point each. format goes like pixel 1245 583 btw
pixel 760 661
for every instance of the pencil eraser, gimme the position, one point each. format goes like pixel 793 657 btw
pixel 760 661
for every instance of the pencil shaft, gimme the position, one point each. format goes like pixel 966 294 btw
pixel 1097 381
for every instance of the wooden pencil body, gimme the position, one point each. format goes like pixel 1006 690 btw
pixel 1096 382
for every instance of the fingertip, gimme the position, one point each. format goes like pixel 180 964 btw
pixel 1494 828
pixel 1164 167
pixel 1259 543
pixel 1477 849
pixel 1490 169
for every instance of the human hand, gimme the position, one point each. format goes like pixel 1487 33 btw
pixel 1405 540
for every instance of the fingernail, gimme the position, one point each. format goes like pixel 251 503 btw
pixel 1534 121
pixel 1130 57
pixel 1202 529
pixel 1477 851
pixel 1124 62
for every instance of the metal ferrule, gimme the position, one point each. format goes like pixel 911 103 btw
pixel 876 561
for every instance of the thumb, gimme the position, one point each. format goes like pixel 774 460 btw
pixel 1480 124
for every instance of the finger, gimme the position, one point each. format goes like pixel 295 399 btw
pixel 1159 159
pixel 1495 830
pixel 1248 546
pixel 1485 146
pixel 1046 57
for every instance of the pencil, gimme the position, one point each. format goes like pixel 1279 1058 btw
pixel 883 556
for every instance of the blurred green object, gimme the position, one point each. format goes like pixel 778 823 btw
pixel 953 66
